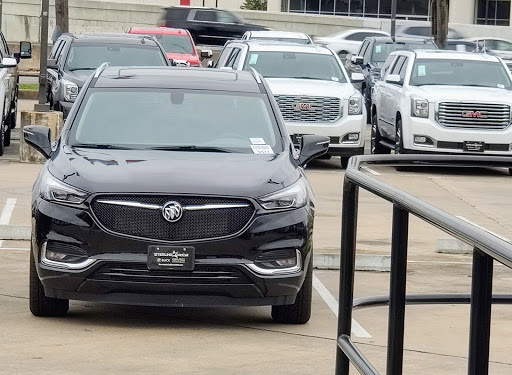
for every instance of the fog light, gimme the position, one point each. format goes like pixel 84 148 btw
pixel 63 255
pixel 52 255
pixel 353 137
pixel 421 140
pixel 277 261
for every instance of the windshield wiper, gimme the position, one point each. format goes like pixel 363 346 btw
pixel 319 79
pixel 99 146
pixel 190 148
pixel 73 69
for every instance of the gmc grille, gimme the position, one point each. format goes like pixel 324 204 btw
pixel 150 224
pixel 474 115
pixel 310 108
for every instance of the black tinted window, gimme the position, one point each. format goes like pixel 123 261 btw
pixel 177 14
pixel 360 36
pixel 205 15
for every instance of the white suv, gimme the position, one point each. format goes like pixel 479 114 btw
pixel 443 101
pixel 311 87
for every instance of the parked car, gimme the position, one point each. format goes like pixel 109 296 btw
pixel 424 30
pixel 9 88
pixel 370 59
pixel 497 46
pixel 312 89
pixel 349 41
pixel 444 102
pixel 74 57
pixel 128 216
pixel 461 45
pixel 278 36
pixel 177 43
pixel 207 25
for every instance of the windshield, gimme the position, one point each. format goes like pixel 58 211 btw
pixel 381 51
pixel 459 73
pixel 175 118
pixel 296 65
pixel 89 57
pixel 288 40
pixel 175 43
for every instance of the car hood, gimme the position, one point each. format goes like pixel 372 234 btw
pixel 463 93
pixel 78 76
pixel 310 87
pixel 176 172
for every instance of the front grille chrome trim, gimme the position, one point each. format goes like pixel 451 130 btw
pixel 185 208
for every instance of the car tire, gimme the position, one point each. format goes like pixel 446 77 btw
pixel 40 305
pixel 300 311
pixel 344 162
pixel 375 146
pixel 399 144
pixel 14 111
pixel 7 136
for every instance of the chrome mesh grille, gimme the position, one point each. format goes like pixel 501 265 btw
pixel 150 224
pixel 474 115
pixel 310 108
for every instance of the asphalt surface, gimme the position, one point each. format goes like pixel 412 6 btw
pixel 101 338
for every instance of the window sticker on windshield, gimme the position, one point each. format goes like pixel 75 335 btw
pixel 253 59
pixel 335 79
pixel 422 71
pixel 262 149
pixel 500 86
pixel 378 49
pixel 257 141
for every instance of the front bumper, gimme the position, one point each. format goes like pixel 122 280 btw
pixel 443 139
pixel 222 275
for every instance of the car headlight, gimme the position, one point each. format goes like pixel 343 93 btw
pixel 54 190
pixel 70 90
pixel 354 105
pixel 294 196
pixel 419 107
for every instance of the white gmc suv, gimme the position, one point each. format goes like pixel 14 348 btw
pixel 442 101
pixel 311 87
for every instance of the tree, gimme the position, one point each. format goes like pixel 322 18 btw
pixel 255 5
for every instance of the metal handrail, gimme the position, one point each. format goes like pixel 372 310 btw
pixel 487 247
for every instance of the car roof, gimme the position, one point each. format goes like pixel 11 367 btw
pixel 278 34
pixel 444 54
pixel 157 31
pixel 119 38
pixel 274 46
pixel 173 77
pixel 353 31
pixel 399 39
pixel 193 7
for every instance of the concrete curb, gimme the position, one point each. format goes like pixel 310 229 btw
pixel 364 262
pixel 15 232
pixel 28 94
pixel 453 246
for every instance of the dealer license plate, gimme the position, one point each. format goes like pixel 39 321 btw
pixel 180 258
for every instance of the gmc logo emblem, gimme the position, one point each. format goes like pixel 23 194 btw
pixel 474 114
pixel 302 106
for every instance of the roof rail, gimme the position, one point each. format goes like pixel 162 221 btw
pixel 100 69
pixel 255 74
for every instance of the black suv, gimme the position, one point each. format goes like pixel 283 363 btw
pixel 208 206
pixel 371 56
pixel 74 57
pixel 208 25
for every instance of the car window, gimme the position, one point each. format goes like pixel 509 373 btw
pixel 367 53
pixel 225 17
pixel 386 66
pixel 234 58
pixel 85 56
pixel 361 35
pixel 55 48
pixel 5 47
pixel 381 51
pixel 225 53
pixel 175 43
pixel 175 117
pixel 419 30
pixel 403 69
pixel 398 65
pixel 363 49
pixel 205 16
pixel 275 64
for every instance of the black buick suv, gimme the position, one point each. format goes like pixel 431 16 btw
pixel 173 187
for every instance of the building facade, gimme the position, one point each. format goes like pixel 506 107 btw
pixel 486 12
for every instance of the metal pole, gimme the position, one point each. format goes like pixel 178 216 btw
pixel 480 318
pixel 397 287
pixel 393 19
pixel 347 266
pixel 42 106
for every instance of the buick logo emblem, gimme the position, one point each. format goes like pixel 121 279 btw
pixel 474 114
pixel 172 211
pixel 301 106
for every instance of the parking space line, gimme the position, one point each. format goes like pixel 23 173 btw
pixel 375 173
pixel 5 217
pixel 357 329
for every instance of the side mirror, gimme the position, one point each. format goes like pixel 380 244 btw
pixel 206 54
pixel 311 147
pixel 9 62
pixel 393 78
pixel 209 64
pixel 357 77
pixel 358 60
pixel 25 50
pixel 52 64
pixel 39 137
